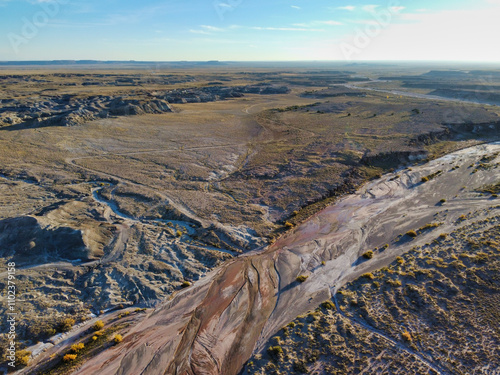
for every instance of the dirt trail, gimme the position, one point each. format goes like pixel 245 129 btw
pixel 177 205
pixel 214 326
pixel 437 369
pixel 360 86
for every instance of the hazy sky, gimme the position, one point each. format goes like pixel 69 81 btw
pixel 245 30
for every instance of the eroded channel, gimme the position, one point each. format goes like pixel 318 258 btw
pixel 214 326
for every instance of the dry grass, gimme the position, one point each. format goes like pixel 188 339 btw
pixel 436 300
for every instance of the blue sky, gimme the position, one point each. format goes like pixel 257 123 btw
pixel 248 30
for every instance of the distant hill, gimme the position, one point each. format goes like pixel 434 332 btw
pixel 99 62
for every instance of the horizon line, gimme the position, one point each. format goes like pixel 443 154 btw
pixel 243 61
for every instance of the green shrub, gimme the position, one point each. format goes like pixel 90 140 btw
pixel 411 233
pixel 430 226
pixel 22 357
pixel 50 332
pixel 431 176
pixel 368 254
pixel 67 324
pixel 393 282
pixel 118 339
pixel 406 335
pixel 98 325
pixel 69 357
pixel 75 348
pixel 275 351
pixel 329 305
pixel 302 278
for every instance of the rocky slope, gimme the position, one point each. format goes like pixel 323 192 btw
pixel 70 110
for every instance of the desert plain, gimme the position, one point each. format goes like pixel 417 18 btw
pixel 205 215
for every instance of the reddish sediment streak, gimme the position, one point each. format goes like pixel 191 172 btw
pixel 215 326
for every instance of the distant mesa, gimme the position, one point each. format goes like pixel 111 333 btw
pixel 71 110
pixel 106 62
